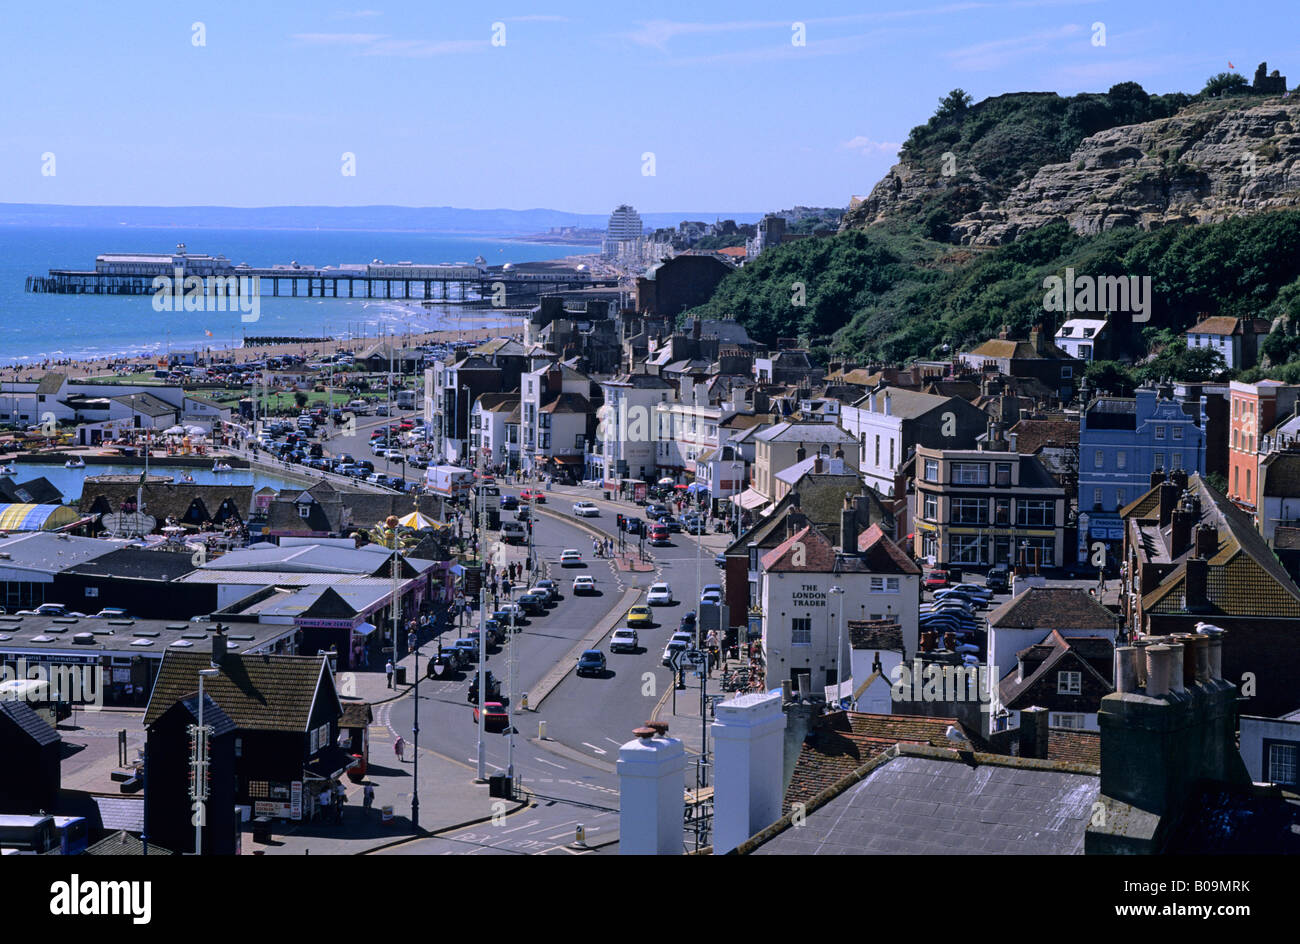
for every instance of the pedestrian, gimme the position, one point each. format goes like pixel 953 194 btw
pixel 399 748
pixel 368 797
pixel 341 798
pixel 388 670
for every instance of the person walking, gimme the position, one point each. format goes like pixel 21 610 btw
pixel 368 797
pixel 399 748
pixel 388 670
pixel 341 797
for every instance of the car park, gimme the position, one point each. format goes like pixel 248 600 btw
pixel 998 578
pixel 591 662
pixel 624 640
pixel 585 509
pixel 659 594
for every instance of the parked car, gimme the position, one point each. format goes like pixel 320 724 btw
pixel 112 612
pixel 533 603
pixel 449 660
pixel 936 579
pixel 468 648
pixel 493 687
pixel 509 503
pixel 585 509
pixel 999 578
pixel 659 594
pixel 674 646
pixel 551 587
pixel 624 640
pixel 655 511
pixel 671 523
pixel 591 662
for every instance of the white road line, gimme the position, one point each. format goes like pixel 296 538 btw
pixel 474 760
pixel 615 743
pixel 543 760
pixel 598 750
pixel 528 825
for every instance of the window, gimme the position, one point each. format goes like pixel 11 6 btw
pixel 1085 352
pixel 884 584
pixel 1160 433
pixel 801 631
pixel 580 441
pixel 1178 460
pixel 1067 373
pixel 304 511
pixel 1097 498
pixel 1282 763
pixel 1035 512
pixel 1041 551
pixel 1003 473
pixel 1002 511
pixel 753 558
pixel 877 450
pixel 1178 432
pixel 891 453
pixel 930 507
pixel 931 470
pixel 1121 459
pixel 1160 460
pixel 969 511
pixel 1099 459
pixel 965 549
pixel 1069 683
pixel 1121 497
pixel 970 473
pixel 1066 720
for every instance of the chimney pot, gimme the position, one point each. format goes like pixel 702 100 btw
pixel 1215 658
pixel 1125 669
pixel 1157 671
pixel 644 732
pixel 659 727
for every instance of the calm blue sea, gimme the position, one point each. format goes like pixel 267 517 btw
pixel 38 327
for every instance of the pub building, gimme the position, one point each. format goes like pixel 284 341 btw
pixel 286 712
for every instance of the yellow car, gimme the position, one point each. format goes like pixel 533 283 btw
pixel 639 616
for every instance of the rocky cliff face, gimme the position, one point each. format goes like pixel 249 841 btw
pixel 1209 162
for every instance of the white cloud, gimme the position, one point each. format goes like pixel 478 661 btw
pixel 869 148
pixel 1001 52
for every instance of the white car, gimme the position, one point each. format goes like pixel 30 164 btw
pixel 624 640
pixel 674 646
pixel 584 584
pixel 585 509
pixel 660 594
pixel 570 558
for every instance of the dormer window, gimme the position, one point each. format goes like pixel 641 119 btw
pixel 1069 683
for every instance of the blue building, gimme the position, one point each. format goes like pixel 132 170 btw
pixel 1122 441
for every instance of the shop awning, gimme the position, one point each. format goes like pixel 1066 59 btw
pixel 330 763
pixel 365 629
pixel 750 498
pixel 567 460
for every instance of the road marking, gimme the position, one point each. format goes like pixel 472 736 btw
pixel 598 750
pixel 528 825
pixel 615 743
pixel 474 760
pixel 543 760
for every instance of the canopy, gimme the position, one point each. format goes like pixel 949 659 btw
pixel 365 629
pixel 174 431
pixel 415 520
pixel 697 487
pixel 667 481
pixel 196 430
pixel 750 498
pixel 29 517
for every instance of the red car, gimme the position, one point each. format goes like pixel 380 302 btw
pixel 936 580
pixel 529 495
pixel 495 716
pixel 406 425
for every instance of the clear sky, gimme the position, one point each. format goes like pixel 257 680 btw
pixel 560 109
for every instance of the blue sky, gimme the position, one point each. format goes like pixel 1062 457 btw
pixel 736 115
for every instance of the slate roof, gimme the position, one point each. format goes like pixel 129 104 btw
pixel 1049 608
pixel 1281 474
pixel 1053 650
pixel 122 843
pixel 257 692
pixel 147 404
pixel 568 403
pixel 37 491
pixel 189 503
pixel 933 801
pixel 121 812
pixel 805 433
pixel 903 403
pixel 1034 434
pixel 138 563
pixel 842 741
pixel 50 383
pixel 28 722
pixel 882 555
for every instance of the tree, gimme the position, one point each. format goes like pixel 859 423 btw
pixel 1111 377
pixel 953 104
pixel 300 398
pixel 1225 83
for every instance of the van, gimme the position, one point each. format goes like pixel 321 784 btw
pixel 513 532
pixel 659 534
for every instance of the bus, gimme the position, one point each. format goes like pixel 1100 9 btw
pixel 31 834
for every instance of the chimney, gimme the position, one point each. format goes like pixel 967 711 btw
pixel 1179 478
pixel 1215 657
pixel 748 743
pixel 218 645
pixel 1126 674
pixel 888 406
pixel 1157 671
pixel 800 454
pixel 695 328
pixel 651 768
pixel 817 464
pixel 1157 476
pixel 1195 584
pixel 1180 534
pixel 848 526
pixel 1207 541
pixel 1033 733
pixel 1168 499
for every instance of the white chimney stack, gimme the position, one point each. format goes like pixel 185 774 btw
pixel 748 745
pixel 651 783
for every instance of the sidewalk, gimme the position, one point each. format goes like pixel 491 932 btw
pixel 684 722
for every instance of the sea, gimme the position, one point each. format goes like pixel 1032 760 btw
pixel 38 327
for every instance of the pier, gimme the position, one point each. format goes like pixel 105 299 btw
pixel 144 274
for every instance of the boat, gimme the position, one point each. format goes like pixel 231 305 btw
pixel 220 467
pixel 6 470
pixel 187 478
pixel 76 462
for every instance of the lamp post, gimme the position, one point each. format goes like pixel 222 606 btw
pixel 839 645
pixel 201 763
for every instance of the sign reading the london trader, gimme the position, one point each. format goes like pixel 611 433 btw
pixel 809 595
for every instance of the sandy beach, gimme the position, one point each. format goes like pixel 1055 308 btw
pixel 76 369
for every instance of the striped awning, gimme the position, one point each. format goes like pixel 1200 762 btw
pixel 28 517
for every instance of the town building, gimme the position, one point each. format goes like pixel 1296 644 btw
pixel 784 444
pixel 1237 339
pixel 1086 339
pixel 1256 410
pixel 986 506
pixel 627 427
pixel 1037 358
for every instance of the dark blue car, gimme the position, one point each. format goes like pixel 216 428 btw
pixel 591 662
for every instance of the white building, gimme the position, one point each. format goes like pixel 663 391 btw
pixel 1080 337
pixel 627 427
